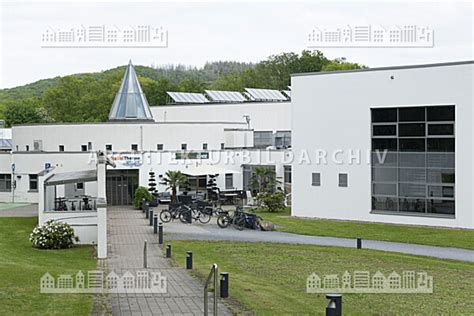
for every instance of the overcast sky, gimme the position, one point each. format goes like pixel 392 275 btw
pixel 200 32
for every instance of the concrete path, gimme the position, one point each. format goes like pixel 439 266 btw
pixel 196 231
pixel 127 230
pixel 21 210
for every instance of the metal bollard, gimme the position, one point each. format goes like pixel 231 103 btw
pixel 334 307
pixel 359 243
pixel 147 211
pixel 189 260
pixel 224 284
pixel 150 215
pixel 155 224
pixel 143 205
pixel 160 234
pixel 144 255
pixel 168 251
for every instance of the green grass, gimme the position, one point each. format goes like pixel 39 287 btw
pixel 7 206
pixel 270 279
pixel 444 237
pixel 21 267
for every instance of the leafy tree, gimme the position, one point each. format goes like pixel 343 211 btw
pixel 341 64
pixel 173 180
pixel 263 180
pixel 24 112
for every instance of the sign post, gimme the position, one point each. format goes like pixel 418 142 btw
pixel 13 183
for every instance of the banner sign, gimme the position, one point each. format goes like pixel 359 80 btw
pixel 130 160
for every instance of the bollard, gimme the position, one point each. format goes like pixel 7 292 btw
pixel 144 255
pixel 168 251
pixel 150 217
pixel 147 211
pixel 189 260
pixel 160 234
pixel 224 284
pixel 359 243
pixel 143 205
pixel 334 307
pixel 155 224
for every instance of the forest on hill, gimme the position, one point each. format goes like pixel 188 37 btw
pixel 88 97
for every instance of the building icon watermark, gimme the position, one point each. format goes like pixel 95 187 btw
pixel 95 281
pixel 371 36
pixel 87 36
pixel 364 282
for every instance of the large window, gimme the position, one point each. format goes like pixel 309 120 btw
pixel 262 139
pixel 5 182
pixel 413 160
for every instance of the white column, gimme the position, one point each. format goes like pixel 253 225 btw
pixel 101 208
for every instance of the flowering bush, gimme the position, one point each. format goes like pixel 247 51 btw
pixel 53 235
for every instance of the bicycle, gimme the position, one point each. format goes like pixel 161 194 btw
pixel 194 213
pixel 239 220
pixel 171 214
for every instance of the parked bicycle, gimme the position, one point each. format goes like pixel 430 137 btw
pixel 170 214
pixel 239 219
pixel 188 213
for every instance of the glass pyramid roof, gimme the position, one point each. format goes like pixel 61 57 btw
pixel 130 103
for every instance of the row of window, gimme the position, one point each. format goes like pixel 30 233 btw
pixel 134 147
pixel 6 182
pixel 343 180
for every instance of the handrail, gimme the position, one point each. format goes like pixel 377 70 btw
pixel 214 272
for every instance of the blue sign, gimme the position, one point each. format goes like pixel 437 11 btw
pixel 47 165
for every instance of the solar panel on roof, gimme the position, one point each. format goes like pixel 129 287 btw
pixel 266 94
pixel 187 97
pixel 225 96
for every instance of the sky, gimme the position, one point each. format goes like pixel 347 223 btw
pixel 211 31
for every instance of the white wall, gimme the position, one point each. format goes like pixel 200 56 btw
pixel 265 116
pixel 332 111
pixel 123 135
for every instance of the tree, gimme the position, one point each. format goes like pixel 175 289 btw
pixel 173 180
pixel 263 180
pixel 24 112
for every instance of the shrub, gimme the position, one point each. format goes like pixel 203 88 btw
pixel 141 193
pixel 272 201
pixel 53 235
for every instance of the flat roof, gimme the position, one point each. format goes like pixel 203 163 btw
pixel 456 63
pixel 131 123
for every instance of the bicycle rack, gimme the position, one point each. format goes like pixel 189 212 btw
pixel 214 271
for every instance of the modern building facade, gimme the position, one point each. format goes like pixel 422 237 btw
pixel 219 133
pixel 392 145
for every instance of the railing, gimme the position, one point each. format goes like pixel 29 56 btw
pixel 214 271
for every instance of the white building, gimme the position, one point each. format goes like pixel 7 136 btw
pixel 219 133
pixel 422 115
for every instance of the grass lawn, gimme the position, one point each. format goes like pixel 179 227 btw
pixel 21 267
pixel 7 206
pixel 445 237
pixel 270 279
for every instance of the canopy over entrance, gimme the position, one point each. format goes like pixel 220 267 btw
pixel 72 177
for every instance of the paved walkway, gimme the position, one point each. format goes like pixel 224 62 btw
pixel 18 210
pixel 127 230
pixel 196 231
